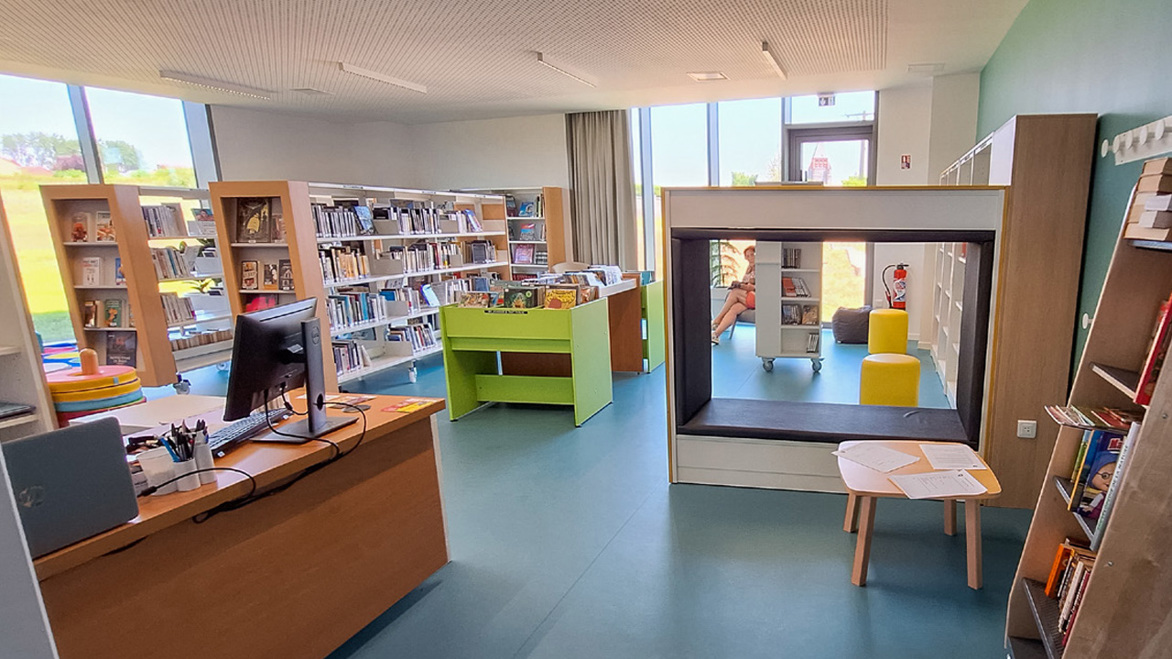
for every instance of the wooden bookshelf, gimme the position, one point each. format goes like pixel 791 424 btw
pixel 1046 162
pixel 136 285
pixel 20 357
pixel 552 225
pixel 1125 605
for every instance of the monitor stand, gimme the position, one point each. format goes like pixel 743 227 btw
pixel 317 423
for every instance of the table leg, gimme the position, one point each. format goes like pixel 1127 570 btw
pixel 863 545
pixel 851 523
pixel 972 531
pixel 950 517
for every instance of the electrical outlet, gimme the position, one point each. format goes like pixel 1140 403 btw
pixel 1027 429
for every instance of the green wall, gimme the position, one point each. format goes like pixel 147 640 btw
pixel 1111 58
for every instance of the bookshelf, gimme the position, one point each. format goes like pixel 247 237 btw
pixel 1125 604
pixel 20 358
pixel 135 277
pixel 538 221
pixel 789 322
pixel 1046 162
pixel 369 334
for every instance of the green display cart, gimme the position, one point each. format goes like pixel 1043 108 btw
pixel 654 341
pixel 566 357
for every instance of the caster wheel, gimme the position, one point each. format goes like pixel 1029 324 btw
pixel 182 387
pixel 816 364
pixel 767 364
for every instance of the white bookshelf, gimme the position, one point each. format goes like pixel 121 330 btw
pixel 947 308
pixel 20 359
pixel 777 335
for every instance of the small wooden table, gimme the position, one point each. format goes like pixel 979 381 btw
pixel 865 485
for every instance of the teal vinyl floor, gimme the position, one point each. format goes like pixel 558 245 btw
pixel 571 543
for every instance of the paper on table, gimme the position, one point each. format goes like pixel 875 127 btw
pixel 879 458
pixel 938 484
pixel 951 456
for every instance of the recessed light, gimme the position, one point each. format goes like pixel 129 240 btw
pixel 706 76
pixel 541 61
pixel 375 75
pixel 771 59
pixel 926 68
pixel 217 85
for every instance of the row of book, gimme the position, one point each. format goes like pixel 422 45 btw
pixel 106 313
pixel 791 257
pixel 192 340
pixel 91 271
pixel 420 335
pixel 1069 575
pixel 176 309
pixel 794 287
pixel 548 292
pixel 1097 476
pixel 87 227
pixel 266 275
pixel 530 254
pixel 348 308
pixel 1157 353
pixel 535 208
pixel 349 356
pixel 1150 215
pixel 432 256
pixel 170 263
pixel 527 231
pixel 343 263
pixel 799 314
pixel 1092 418
pixel 164 220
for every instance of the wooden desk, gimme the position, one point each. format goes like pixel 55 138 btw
pixel 291 575
pixel 865 485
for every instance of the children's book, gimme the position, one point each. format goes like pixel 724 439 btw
pixel 104 227
pixel 121 348
pixel 91 271
pixel 1092 469
pixel 113 313
pixel 475 299
pixel 249 275
pixel 560 298
pixel 523 254
pixel 253 224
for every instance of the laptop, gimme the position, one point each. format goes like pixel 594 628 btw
pixel 70 484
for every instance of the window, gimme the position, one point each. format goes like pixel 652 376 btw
pixel 637 173
pixel 850 106
pixel 141 139
pixel 749 137
pixel 38 144
pixel 679 156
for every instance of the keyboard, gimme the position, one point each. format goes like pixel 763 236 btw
pixel 229 437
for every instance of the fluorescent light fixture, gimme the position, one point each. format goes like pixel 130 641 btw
pixel 772 60
pixel 584 81
pixel 375 75
pixel 707 76
pixel 310 91
pixel 217 85
pixel 926 68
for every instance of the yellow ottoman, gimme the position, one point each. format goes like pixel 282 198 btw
pixel 887 331
pixel 889 379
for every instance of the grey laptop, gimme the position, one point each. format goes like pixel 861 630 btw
pixel 70 484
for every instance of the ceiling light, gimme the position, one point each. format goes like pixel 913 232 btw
pixel 927 68
pixel 707 76
pixel 310 91
pixel 217 85
pixel 584 81
pixel 374 75
pixel 772 59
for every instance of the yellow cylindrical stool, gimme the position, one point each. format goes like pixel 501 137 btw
pixel 889 379
pixel 887 332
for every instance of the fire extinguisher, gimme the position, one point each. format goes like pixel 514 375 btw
pixel 897 293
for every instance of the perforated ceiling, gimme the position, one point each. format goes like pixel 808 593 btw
pixel 477 58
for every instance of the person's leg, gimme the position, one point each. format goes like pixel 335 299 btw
pixel 729 318
pixel 735 296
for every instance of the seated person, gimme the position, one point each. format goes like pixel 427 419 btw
pixel 741 296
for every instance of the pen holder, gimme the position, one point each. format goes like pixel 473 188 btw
pixel 158 467
pixel 204 460
pixel 189 480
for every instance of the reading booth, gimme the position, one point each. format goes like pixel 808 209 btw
pixel 782 444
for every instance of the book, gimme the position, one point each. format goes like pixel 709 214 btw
pixel 1162 202
pixel 1099 477
pixel 90 313
pixel 79 226
pixel 1156 220
pixel 523 254
pixel 249 275
pixel 121 348
pixel 476 299
pixel 1158 166
pixel 1116 485
pixel 812 342
pixel 104 227
pixel 202 223
pixel 520 298
pixel 809 314
pixel 1157 351
pixel 278 223
pixel 112 311
pixel 560 297
pixel 527 209
pixel 1154 183
pixel 269 277
pixel 119 277
pixel 1096 441
pixel 285 275
pixel 91 271
pixel 365 220
pixel 428 295
pixel 253 224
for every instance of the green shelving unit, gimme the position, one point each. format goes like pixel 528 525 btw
pixel 654 339
pixel 473 337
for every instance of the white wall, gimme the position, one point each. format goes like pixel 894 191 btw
pixel 919 283
pixel 905 114
pixel 512 152
pixel 255 145
pixel 954 120
pixel 24 628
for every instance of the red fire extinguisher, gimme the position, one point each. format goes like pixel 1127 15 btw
pixel 897 293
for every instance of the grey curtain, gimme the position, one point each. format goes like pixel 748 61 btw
pixel 602 187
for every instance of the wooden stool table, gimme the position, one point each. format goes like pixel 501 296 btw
pixel 865 485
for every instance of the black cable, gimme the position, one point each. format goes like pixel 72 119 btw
pixel 362 435
pixel 337 449
pixel 289 406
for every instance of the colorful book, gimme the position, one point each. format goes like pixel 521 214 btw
pixel 112 310
pixel 90 313
pixel 104 227
pixel 121 348
pixel 1156 354
pixel 1116 485
pixel 249 275
pixel 269 277
pixel 253 223
pixel 79 226
pixel 1099 441
pixel 285 275
pixel 520 298
pixel 119 277
pixel 476 299
pixel 560 298
pixel 91 271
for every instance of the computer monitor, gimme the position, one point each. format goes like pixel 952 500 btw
pixel 274 351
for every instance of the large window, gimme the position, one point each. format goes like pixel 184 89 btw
pixel 38 144
pixel 637 167
pixel 141 139
pixel 679 156
pixel 749 141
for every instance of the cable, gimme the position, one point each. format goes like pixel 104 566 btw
pixel 155 488
pixel 288 405
pixel 337 449
pixel 362 435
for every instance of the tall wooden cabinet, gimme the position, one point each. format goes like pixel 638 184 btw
pixel 1046 161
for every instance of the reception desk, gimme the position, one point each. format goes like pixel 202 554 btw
pixel 294 574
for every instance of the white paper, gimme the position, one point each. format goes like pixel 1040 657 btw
pixel 879 458
pixel 951 456
pixel 938 484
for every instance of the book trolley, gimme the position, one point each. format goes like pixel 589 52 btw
pixel 473 337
